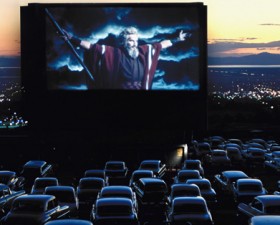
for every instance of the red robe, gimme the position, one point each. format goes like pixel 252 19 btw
pixel 103 62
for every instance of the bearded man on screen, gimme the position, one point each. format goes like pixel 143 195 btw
pixel 130 66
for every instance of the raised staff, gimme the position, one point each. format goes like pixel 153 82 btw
pixel 62 33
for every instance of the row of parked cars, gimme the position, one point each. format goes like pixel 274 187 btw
pixel 113 196
pixel 216 152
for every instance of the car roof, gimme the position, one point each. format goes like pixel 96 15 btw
pixel 69 222
pixel 143 172
pixel 249 181
pixel 150 180
pixel 7 173
pixel 234 173
pixel 89 179
pixel 60 188
pixel 192 161
pixel 151 161
pixel 113 201
pixel 46 178
pixel 40 198
pixel 3 186
pixel 265 220
pixel 183 186
pixel 269 199
pixel 187 171
pixel 35 163
pixel 198 181
pixel 116 189
pixel 115 162
pixel 189 199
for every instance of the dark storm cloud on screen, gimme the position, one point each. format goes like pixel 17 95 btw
pixel 103 24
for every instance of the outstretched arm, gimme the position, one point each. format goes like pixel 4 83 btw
pixel 182 37
pixel 76 41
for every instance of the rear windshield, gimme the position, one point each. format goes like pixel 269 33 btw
pixel 249 188
pixel 28 206
pixel 189 209
pixel 111 210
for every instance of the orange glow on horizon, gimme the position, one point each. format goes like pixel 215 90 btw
pixel 247 51
pixel 250 21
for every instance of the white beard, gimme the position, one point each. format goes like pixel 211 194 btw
pixel 133 52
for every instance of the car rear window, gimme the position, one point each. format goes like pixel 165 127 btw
pixel 111 210
pixel 189 209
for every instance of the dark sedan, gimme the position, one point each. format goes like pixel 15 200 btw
pixel 260 205
pixel 34 210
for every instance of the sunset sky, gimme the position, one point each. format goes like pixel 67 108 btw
pixel 235 27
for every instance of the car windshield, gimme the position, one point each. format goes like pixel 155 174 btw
pixel 189 209
pixel 149 166
pixel 249 188
pixel 111 210
pixel 275 209
pixel 63 196
pixel 28 206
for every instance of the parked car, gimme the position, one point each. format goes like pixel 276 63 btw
pixel 151 194
pixel 7 196
pixel 254 156
pixel 41 183
pixel 272 155
pixel 193 164
pixel 87 192
pixel 244 190
pixel 114 211
pixel 137 174
pixel 265 220
pixel 119 192
pixel 277 192
pixel 11 179
pixel 97 173
pixel 260 205
pixel 202 149
pixel 260 141
pixel 236 141
pixel 34 209
pixel 235 156
pixel 223 181
pixel 183 190
pixel 156 166
pixel 206 190
pixel 193 210
pixel 116 169
pixel 151 191
pixel 183 175
pixel 232 145
pixel 69 222
pixel 65 195
pixel 217 158
pixel 273 164
pixel 33 169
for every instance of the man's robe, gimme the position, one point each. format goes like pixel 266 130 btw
pixel 103 62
